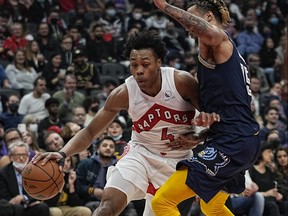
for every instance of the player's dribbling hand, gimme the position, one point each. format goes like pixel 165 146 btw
pixel 46 157
pixel 205 119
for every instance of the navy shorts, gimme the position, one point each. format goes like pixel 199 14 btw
pixel 221 165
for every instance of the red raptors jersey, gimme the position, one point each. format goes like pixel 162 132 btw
pixel 160 119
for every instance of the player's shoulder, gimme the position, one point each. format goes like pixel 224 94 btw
pixel 183 76
pixel 120 91
pixel 118 98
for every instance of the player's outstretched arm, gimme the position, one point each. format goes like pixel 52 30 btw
pixel 117 100
pixel 195 25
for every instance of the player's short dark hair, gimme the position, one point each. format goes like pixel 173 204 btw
pixel 146 40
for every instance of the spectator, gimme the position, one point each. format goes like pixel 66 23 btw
pixel 31 124
pixel 108 87
pixel 173 60
pixel 157 20
pixel 67 201
pixel 11 184
pixel 34 102
pixel 20 75
pixel 111 21
pixel 66 49
pixel 276 90
pixel 87 74
pixel 175 41
pixel 52 106
pixel 16 41
pixel 57 26
pixel 53 141
pixel 4 81
pixel 249 41
pixel 30 139
pixel 68 98
pixel 281 50
pixel 273 138
pixel 38 11
pixel 12 118
pixel 115 130
pixel 257 102
pixel 95 10
pixel 35 58
pixel 101 46
pixel 78 115
pixel 53 73
pixel 11 135
pixel 253 61
pixel 70 129
pixel 281 160
pixel 5 20
pixel 79 41
pixel 274 101
pixel 47 44
pixel 121 42
pixel 272 117
pixel 275 20
pixel 269 59
pixel 251 203
pixel 91 105
pixel 262 175
pixel 135 18
pixel 92 172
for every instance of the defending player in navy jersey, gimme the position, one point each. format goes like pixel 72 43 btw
pixel 233 143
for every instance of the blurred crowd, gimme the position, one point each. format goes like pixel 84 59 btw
pixel 59 61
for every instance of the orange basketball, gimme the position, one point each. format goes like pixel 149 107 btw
pixel 42 182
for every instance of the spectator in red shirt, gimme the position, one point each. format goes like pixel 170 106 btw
pixel 16 41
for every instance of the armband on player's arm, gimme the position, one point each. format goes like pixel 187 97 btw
pixel 62 160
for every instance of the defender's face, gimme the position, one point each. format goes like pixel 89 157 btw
pixel 144 67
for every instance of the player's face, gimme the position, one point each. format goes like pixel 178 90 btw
pixel 145 68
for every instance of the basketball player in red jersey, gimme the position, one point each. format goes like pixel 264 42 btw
pixel 161 102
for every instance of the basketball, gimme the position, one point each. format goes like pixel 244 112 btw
pixel 42 182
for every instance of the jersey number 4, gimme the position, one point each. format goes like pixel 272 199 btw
pixel 166 136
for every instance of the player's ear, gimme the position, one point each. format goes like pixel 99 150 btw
pixel 209 16
pixel 159 62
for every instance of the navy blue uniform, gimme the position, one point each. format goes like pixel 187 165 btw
pixel 233 145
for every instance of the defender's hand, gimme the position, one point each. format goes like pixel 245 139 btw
pixel 185 141
pixel 205 119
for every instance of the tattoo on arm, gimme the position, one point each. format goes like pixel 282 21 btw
pixel 195 25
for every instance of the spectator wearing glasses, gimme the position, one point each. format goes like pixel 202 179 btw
pixel 11 184
pixel 11 135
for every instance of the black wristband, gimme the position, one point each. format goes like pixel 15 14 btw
pixel 62 160
pixel 63 154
